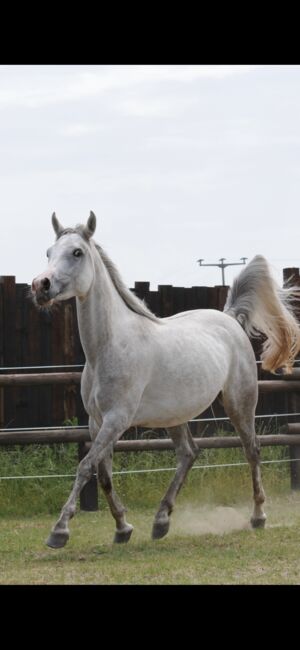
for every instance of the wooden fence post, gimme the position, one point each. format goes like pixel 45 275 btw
pixel 165 292
pixel 88 494
pixel 291 277
pixel 9 343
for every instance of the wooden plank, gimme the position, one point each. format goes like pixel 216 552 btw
pixel 38 379
pixel 64 434
pixel 34 325
pixel 141 290
pixel 213 298
pixel 70 390
pixel 295 374
pixel 153 302
pixel 9 344
pixel 165 292
pixel 200 297
pixel 213 442
pixel 222 296
pixel 290 427
pixel 58 357
pixel 78 357
pixel 280 385
pixel 21 345
pixel 265 386
pixel 45 415
pixel 188 299
pixel 44 437
pixel 178 300
pixel 2 415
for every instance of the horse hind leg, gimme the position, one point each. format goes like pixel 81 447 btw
pixel 186 452
pixel 104 470
pixel 242 417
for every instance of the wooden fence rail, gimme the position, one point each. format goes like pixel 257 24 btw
pixel 40 379
pixel 11 437
pixel 47 378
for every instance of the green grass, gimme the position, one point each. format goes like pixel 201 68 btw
pixel 186 556
pixel 221 485
pixel 209 542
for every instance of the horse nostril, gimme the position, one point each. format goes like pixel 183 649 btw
pixel 46 284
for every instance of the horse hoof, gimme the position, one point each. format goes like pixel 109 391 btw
pixel 159 529
pixel 258 523
pixel 122 537
pixel 57 540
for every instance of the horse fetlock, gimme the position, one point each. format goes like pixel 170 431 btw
pixel 259 498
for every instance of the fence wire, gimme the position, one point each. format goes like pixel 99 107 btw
pixel 147 471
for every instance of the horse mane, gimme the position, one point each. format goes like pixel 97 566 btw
pixel 133 302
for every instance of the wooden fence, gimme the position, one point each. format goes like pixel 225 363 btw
pixel 32 337
pixel 290 433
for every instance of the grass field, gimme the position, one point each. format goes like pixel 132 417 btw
pixel 209 542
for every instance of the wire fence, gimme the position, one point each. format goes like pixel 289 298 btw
pixel 149 470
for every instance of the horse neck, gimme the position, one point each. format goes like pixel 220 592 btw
pixel 101 313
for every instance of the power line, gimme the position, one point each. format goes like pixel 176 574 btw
pixel 223 265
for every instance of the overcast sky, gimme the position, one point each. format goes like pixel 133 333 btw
pixel 177 162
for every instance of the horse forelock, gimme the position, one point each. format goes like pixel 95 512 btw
pixel 78 230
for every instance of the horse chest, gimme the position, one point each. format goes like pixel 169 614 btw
pixel 98 392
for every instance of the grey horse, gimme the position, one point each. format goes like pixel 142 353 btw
pixel 146 371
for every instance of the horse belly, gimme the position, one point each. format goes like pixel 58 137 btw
pixel 169 405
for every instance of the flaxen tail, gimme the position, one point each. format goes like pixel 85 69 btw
pixel 261 306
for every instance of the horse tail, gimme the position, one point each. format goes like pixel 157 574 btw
pixel 261 306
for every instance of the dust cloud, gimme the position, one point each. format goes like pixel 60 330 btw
pixel 216 520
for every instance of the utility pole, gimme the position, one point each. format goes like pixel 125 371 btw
pixel 223 265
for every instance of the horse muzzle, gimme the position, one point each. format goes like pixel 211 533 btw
pixel 42 291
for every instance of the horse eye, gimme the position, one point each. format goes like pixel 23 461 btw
pixel 77 252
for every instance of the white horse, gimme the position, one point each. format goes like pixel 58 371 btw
pixel 161 372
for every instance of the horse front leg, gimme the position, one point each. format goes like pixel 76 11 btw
pixel 123 528
pixel 113 426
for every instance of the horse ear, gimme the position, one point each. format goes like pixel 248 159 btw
pixel 90 227
pixel 58 228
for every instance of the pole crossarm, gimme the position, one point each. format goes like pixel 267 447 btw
pixel 222 265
